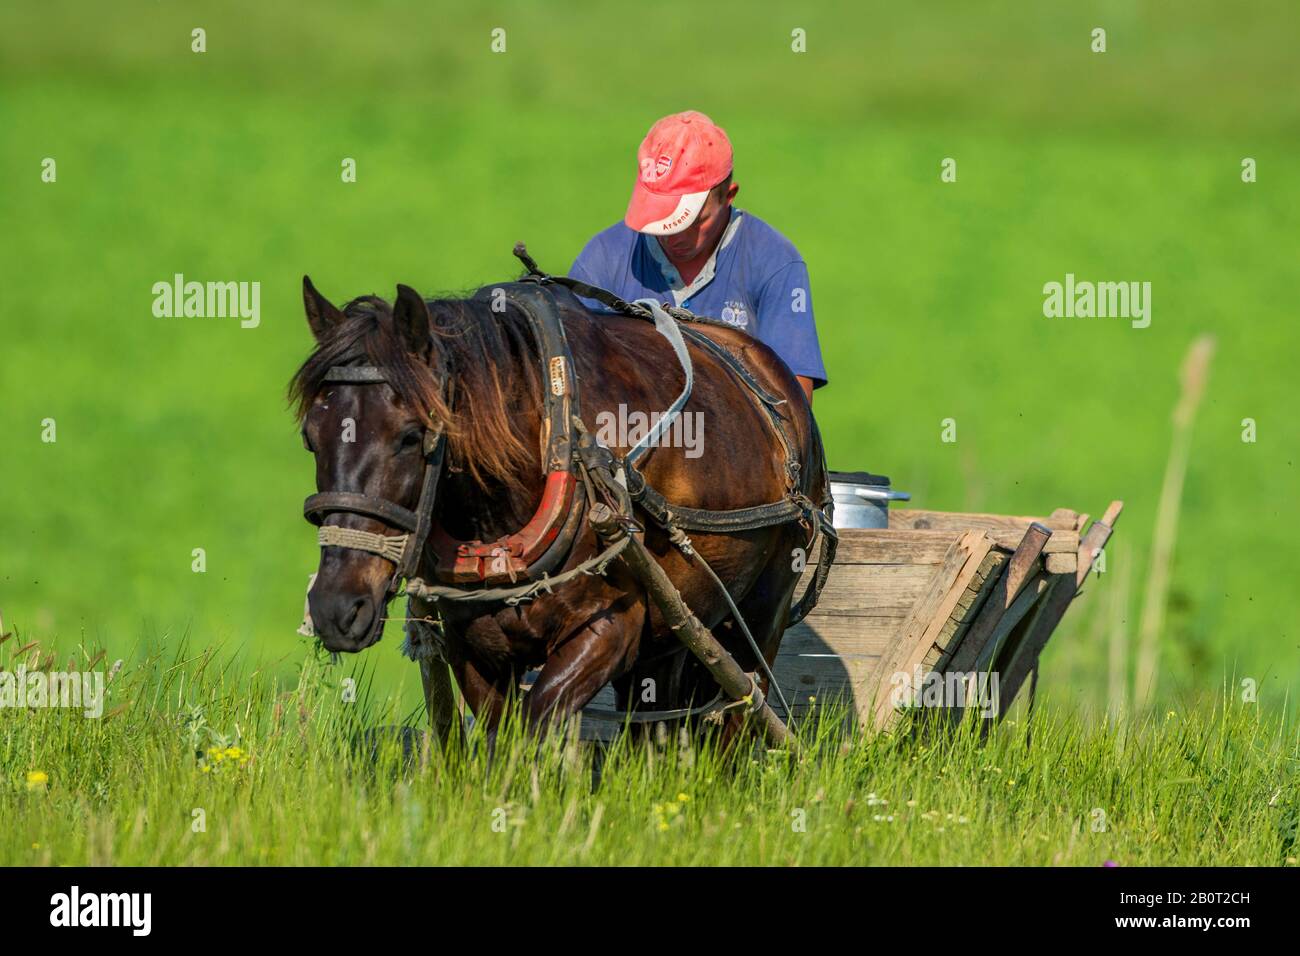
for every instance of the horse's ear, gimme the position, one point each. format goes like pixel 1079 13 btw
pixel 321 314
pixel 411 316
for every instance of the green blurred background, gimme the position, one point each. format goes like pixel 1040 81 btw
pixel 173 434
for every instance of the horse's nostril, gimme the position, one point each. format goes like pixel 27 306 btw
pixel 359 617
pixel 350 614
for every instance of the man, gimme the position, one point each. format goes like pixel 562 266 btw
pixel 683 242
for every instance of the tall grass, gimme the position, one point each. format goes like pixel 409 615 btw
pixel 198 762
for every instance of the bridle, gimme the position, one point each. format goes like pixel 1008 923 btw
pixel 530 553
pixel 403 550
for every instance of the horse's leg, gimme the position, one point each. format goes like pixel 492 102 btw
pixel 580 665
pixel 484 695
pixel 767 604
pixel 425 647
pixel 439 698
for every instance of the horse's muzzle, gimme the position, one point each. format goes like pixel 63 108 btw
pixel 345 622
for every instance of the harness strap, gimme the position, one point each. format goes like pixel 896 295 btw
pixel 795 507
pixel 826 557
pixel 732 363
pixel 604 296
pixel 650 309
pixel 668 328
pixel 419 537
pixel 319 506
pixel 545 540
pixel 577 286
pixel 676 519
pixel 511 596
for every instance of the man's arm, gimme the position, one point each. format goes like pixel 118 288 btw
pixel 785 322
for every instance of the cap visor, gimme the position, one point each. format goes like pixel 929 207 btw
pixel 658 215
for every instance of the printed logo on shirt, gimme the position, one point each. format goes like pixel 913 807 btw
pixel 735 313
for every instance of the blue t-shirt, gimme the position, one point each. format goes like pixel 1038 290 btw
pixel 755 280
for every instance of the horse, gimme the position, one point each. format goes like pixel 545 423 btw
pixel 470 371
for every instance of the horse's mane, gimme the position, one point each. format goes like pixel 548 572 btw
pixel 488 360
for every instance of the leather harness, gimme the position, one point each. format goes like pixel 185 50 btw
pixel 530 554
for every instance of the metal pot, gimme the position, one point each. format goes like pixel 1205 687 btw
pixel 862 499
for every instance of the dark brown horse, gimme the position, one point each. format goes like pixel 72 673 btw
pixel 474 371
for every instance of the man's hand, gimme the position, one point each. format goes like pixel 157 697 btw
pixel 807 384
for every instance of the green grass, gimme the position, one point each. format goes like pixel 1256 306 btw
pixel 1217 785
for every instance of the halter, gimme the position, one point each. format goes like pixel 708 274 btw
pixel 537 548
pixel 402 550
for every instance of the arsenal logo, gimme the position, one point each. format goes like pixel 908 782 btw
pixel 656 169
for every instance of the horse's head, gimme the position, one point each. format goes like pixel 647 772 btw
pixel 370 406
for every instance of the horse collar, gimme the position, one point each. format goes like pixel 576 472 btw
pixel 551 531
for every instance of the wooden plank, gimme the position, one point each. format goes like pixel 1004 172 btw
pixel 850 680
pixel 893 546
pixel 966 610
pixel 1024 656
pixel 1061 563
pixel 841 658
pixel 1019 569
pixel 843 635
pixel 1061 542
pixel 907 546
pixel 957 520
pixel 1065 514
pixel 930 614
pixel 860 589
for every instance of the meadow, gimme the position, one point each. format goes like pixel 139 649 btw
pixel 202 762
pixel 172 434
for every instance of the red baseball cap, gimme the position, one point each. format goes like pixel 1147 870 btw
pixel 682 157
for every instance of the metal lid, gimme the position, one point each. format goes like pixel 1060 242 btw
pixel 858 478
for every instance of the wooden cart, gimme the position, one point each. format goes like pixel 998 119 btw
pixel 942 593
pixel 937 593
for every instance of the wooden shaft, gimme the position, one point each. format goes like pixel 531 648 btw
pixel 701 642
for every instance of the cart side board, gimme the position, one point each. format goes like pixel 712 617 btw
pixel 937 591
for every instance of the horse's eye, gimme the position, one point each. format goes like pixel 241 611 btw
pixel 410 438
